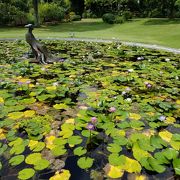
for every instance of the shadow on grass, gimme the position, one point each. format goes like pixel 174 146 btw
pixel 78 27
pixel 161 21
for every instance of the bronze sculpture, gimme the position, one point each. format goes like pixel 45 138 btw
pixel 39 50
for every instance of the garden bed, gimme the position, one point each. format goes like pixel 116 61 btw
pixel 103 111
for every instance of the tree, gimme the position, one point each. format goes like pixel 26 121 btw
pixel 36 12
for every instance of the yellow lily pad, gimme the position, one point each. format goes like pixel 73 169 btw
pixel 29 113
pixel 134 116
pixel 165 135
pixel 63 175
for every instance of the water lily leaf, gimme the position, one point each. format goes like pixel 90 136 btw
pixel 63 175
pixel 16 160
pixel 156 165
pixel 85 162
pixel 170 120
pixel 17 149
pixel 50 142
pixel 15 115
pixel 59 141
pixel 113 171
pixel 58 151
pixel 116 160
pixel 85 133
pixel 79 151
pixel 51 88
pixel 0 165
pixel 137 124
pixel 29 113
pixel 33 158
pixel 139 153
pixel 66 133
pixel 157 142
pixel 26 173
pixel 165 135
pixel 175 144
pixel 28 101
pixel 161 158
pixel 2 135
pixel 3 149
pixel 176 165
pixel 60 106
pixel 16 142
pixel 41 164
pixel 36 146
pixel 114 148
pixel 132 165
pixel 1 100
pixel 123 125
pixel 74 140
pixel 134 116
pixel 170 153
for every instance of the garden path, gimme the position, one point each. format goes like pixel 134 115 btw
pixel 150 46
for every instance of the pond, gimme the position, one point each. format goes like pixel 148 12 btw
pixel 104 111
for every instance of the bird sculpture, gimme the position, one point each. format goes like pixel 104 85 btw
pixel 39 50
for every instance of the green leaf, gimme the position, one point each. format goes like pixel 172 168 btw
pixel 157 142
pixel 16 160
pixel 176 165
pixel 85 162
pixel 41 164
pixel 137 124
pixel 17 149
pixel 0 165
pixel 79 151
pixel 38 147
pixel 3 149
pixel 156 165
pixel 170 153
pixel 60 106
pixel 33 158
pixel 161 158
pixel 116 160
pixel 26 173
pixel 85 133
pixel 58 151
pixel 60 141
pixel 114 148
pixel 74 140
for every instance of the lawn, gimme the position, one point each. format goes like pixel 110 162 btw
pixel 153 31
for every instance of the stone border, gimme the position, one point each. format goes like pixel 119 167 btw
pixel 149 46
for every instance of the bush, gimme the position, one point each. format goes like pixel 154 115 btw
pixel 109 18
pixel 75 18
pixel 51 12
pixel 127 15
pixel 120 19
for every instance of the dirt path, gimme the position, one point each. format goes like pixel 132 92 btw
pixel 150 46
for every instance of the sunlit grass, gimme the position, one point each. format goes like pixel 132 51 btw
pixel 154 31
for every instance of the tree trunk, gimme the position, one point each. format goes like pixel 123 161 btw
pixel 36 12
pixel 172 9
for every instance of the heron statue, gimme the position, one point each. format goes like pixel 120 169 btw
pixel 39 50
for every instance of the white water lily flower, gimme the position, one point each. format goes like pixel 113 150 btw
pixel 130 70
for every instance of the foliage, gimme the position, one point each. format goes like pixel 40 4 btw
pixel 100 105
pixel 109 18
pixel 51 12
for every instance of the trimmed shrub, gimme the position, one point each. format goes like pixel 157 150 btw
pixel 109 18
pixel 51 12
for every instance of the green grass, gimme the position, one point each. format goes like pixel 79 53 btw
pixel 153 31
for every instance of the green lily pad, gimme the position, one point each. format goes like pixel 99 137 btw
pixel 85 162
pixel 26 173
pixel 74 140
pixel 80 151
pixel 16 160
pixel 176 165
pixel 41 164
